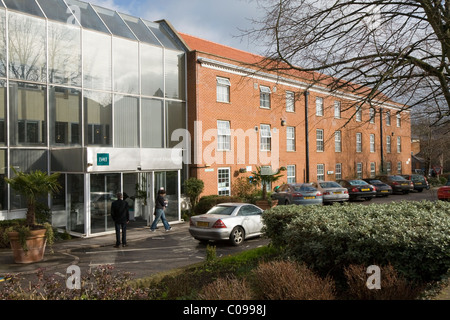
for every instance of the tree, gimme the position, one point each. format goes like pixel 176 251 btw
pixel 378 50
pixel 265 176
pixel 33 185
pixel 194 187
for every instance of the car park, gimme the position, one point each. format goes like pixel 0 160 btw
pixel 419 181
pixel 443 192
pixel 383 189
pixel 331 191
pixel 358 189
pixel 397 183
pixel 298 193
pixel 228 221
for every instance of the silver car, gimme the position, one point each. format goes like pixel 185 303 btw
pixel 228 221
pixel 332 191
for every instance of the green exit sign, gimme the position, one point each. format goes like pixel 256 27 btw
pixel 103 159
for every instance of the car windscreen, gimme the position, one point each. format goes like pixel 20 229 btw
pixel 357 182
pixel 330 184
pixel 375 181
pixel 304 188
pixel 418 178
pixel 222 210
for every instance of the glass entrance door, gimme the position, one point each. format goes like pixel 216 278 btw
pixel 104 188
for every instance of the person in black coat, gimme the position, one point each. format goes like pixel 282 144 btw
pixel 121 217
pixel 160 206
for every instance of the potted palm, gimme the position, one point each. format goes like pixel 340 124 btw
pixel 28 241
pixel 265 176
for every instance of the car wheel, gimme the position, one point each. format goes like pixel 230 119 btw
pixel 237 236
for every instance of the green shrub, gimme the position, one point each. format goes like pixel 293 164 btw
pixel 412 236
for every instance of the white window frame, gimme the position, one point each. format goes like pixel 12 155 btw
pixel 388 167
pixel 388 144
pixel 338 173
pixel 223 135
pixel 399 167
pixel 358 115
pixel 359 170
pixel 264 97
pixel 290 173
pixel 359 142
pixel 224 181
pixel 319 106
pixel 337 109
pixel 372 115
pixel 372 143
pixel 399 120
pixel 338 141
pixel 372 169
pixel 399 144
pixel 265 137
pixel 290 138
pixel 320 140
pixel 223 89
pixel 388 118
pixel 290 101
pixel 320 172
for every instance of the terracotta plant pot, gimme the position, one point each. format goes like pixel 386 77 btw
pixel 36 243
pixel 264 204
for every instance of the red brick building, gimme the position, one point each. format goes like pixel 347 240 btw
pixel 241 116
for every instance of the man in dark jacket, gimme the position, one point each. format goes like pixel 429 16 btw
pixel 120 216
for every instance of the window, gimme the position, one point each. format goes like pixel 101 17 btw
pixel 223 90
pixel 337 141
pixel 358 142
pixel 320 172
pixel 388 167
pixel 399 120
pixel 337 109
pixel 338 174
pixel 388 118
pixel 265 137
pixel 372 169
pixel 290 101
pixel 359 169
pixel 291 174
pixel 399 167
pixel 372 115
pixel 290 138
pixel 358 115
pixel 223 181
pixel 399 144
pixel 372 143
pixel 223 136
pixel 264 97
pixel 319 106
pixel 319 140
pixel 388 144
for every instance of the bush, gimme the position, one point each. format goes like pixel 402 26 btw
pixel 229 288
pixel 4 225
pixel 207 202
pixel 412 236
pixel 193 188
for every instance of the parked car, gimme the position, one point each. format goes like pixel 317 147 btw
pixel 101 202
pixel 383 189
pixel 444 192
pixel 228 221
pixel 418 180
pixel 358 189
pixel 397 183
pixel 298 193
pixel 331 191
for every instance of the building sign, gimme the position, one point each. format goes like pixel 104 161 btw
pixel 102 159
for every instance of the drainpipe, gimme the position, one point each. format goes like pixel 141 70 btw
pixel 381 140
pixel 306 137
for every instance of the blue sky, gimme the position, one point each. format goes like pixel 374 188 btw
pixel 216 20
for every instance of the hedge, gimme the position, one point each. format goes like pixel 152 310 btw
pixel 414 237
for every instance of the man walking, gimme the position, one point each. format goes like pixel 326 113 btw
pixel 121 217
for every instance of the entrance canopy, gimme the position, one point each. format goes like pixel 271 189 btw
pixel 99 159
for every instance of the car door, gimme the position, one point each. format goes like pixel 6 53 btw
pixel 251 219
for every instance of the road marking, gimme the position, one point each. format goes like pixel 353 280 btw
pixel 138 249
pixel 135 262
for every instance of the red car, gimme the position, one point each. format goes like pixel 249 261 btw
pixel 444 192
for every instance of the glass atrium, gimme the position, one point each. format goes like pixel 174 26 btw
pixel 96 95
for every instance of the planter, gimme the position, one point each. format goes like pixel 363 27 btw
pixel 266 204
pixel 36 243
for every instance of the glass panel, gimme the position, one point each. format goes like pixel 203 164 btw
pixel 64 54
pixel 96 60
pixel 114 22
pixel 2 43
pixel 126 122
pixel 87 16
pixel 28 114
pixel 98 113
pixel 174 74
pixel 140 29
pixel 169 181
pixel 152 120
pixel 57 10
pixel 27 47
pixel 3 184
pixel 27 6
pixel 175 119
pixel 75 201
pixel 65 116
pixel 25 161
pixel 126 66
pixel 3 104
pixel 152 71
pixel 104 188
pixel 167 41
